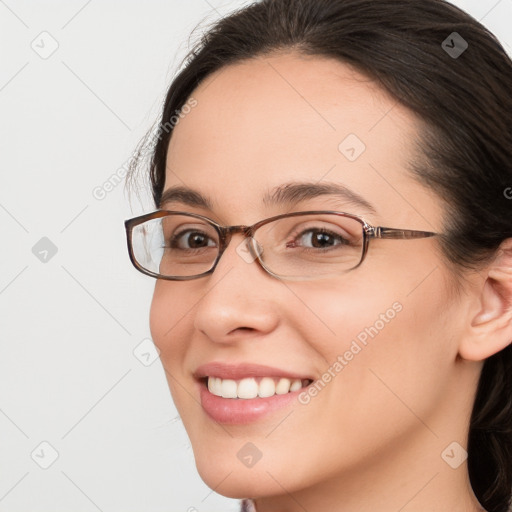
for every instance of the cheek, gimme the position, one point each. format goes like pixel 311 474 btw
pixel 385 350
pixel 170 329
pixel 388 316
pixel 167 319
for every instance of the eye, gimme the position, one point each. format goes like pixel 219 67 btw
pixel 318 238
pixel 191 239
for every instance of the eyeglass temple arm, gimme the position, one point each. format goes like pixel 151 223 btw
pixel 382 232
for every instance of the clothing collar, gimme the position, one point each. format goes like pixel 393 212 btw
pixel 248 506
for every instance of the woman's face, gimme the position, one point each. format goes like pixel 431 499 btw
pixel 381 339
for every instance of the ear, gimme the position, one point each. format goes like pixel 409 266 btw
pixel 489 326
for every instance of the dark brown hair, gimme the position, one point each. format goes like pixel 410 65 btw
pixel 464 104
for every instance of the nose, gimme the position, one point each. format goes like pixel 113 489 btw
pixel 240 299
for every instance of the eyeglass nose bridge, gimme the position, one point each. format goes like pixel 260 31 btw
pixel 226 234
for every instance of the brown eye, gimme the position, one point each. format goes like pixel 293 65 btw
pixel 321 239
pixel 317 238
pixel 191 239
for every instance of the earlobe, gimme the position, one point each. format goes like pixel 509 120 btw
pixel 489 330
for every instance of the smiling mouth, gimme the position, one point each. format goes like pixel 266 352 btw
pixel 254 387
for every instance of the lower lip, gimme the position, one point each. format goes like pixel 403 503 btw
pixel 240 411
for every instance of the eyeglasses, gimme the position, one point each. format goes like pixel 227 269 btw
pixel 179 246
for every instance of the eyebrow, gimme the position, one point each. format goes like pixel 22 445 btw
pixel 285 194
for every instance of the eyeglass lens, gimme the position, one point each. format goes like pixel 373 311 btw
pixel 297 247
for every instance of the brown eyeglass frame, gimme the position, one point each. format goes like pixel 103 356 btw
pixel 226 232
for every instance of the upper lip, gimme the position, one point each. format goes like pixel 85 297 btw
pixel 243 370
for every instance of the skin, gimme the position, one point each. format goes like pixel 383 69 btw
pixel 372 439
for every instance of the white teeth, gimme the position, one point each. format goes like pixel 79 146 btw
pixel 296 385
pixel 250 388
pixel 283 386
pixel 228 388
pixel 267 387
pixel 217 385
pixel 247 388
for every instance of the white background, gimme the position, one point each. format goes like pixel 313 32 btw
pixel 69 326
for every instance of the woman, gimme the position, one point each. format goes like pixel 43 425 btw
pixel 353 352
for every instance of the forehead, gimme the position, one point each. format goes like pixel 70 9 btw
pixel 288 117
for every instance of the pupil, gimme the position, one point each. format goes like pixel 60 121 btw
pixel 321 240
pixel 196 240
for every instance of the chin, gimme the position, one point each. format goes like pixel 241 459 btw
pixel 241 483
pixel 224 472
